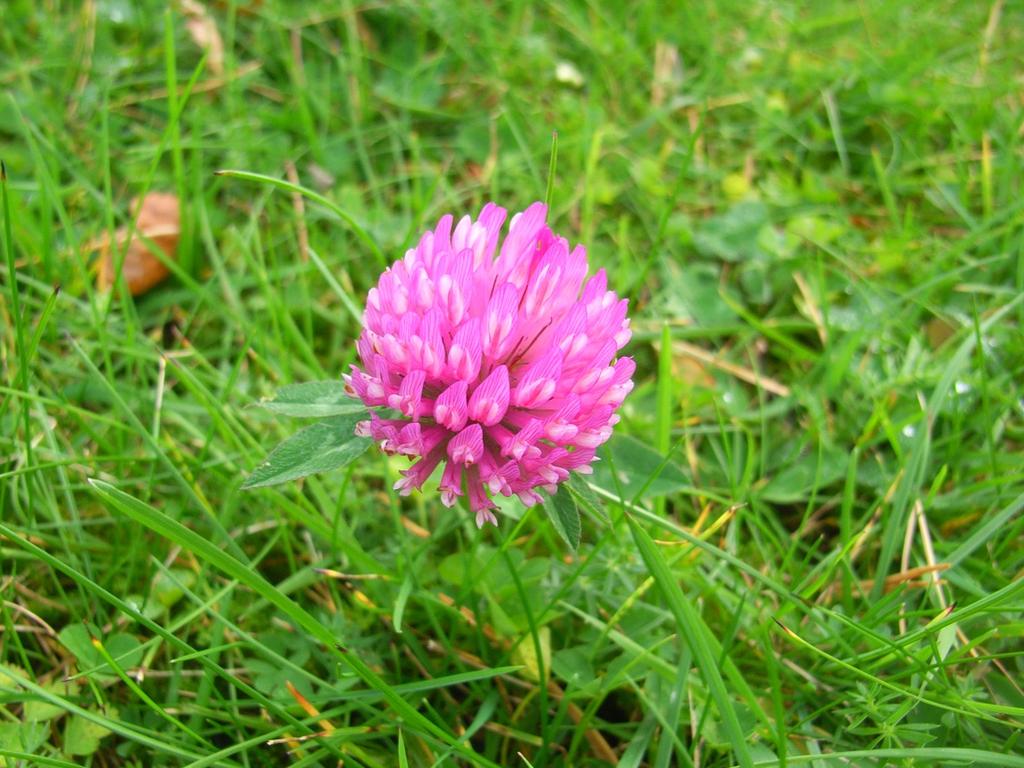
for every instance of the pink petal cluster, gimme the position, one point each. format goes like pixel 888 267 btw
pixel 499 363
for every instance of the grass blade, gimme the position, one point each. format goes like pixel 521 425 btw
pixel 552 166
pixel 695 632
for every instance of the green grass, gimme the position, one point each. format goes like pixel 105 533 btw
pixel 817 216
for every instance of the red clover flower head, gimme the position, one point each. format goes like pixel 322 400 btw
pixel 499 363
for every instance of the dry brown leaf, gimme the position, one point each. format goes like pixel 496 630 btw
pixel 203 28
pixel 668 72
pixel 159 221
pixel 939 330
pixel 702 356
pixel 242 9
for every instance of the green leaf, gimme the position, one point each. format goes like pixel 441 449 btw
pixel 695 291
pixel 526 654
pixel 639 469
pixel 77 638
pixel 313 399
pixel 573 666
pixel 732 235
pixel 503 624
pixel 9 674
pixel 585 497
pixel 329 444
pixel 169 586
pixel 125 649
pixel 23 737
pixel 82 737
pixel 804 476
pixel 565 516
pixel 38 711
pixel 403 758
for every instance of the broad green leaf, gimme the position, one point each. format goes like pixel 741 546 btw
pixel 503 624
pixel 23 737
pixel 806 474
pixel 169 586
pixel 9 674
pixel 573 666
pixel 34 711
pixel 77 638
pixel 636 463
pixel 733 235
pixel 459 567
pixel 584 495
pixel 491 577
pixel 39 711
pixel 565 516
pixel 313 399
pixel 82 737
pixel 329 444
pixel 126 650
pixel 695 291
pixel 526 654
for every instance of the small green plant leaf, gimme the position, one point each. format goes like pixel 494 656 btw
pixel 77 638
pixel 23 737
pixel 526 654
pixel 585 497
pixel 313 399
pixel 125 649
pixel 733 235
pixel 82 737
pixel 565 516
pixel 38 711
pixel 329 444
pixel 9 674
pixel 640 471
pixel 168 587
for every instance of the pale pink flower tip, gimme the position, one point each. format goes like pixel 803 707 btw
pixel 499 362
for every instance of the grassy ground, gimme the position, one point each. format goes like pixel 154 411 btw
pixel 817 215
